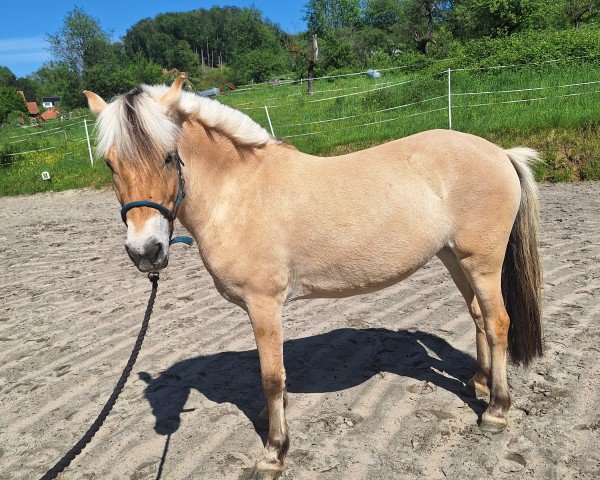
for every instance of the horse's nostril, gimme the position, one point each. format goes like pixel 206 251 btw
pixel 135 258
pixel 154 252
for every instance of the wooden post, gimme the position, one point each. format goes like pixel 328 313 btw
pixel 312 62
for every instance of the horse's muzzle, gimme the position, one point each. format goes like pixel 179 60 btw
pixel 152 256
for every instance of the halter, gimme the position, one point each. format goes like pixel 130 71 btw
pixel 168 214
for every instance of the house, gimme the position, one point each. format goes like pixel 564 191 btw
pixel 50 102
pixel 33 109
pixel 51 114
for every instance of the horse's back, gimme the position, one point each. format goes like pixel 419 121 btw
pixel 377 215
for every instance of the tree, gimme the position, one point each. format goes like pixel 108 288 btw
pixel 79 46
pixel 10 101
pixel 29 87
pixel 240 37
pixel 80 42
pixel 382 14
pixel 7 78
pixel 423 19
pixel 55 79
pixel 578 12
pixel 120 77
pixel 323 16
pixel 500 18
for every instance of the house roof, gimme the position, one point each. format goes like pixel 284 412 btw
pixel 33 108
pixel 50 114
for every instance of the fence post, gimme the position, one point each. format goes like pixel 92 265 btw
pixel 269 119
pixel 449 99
pixel 87 136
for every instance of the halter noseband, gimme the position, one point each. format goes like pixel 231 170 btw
pixel 168 214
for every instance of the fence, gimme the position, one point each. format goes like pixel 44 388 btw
pixel 28 138
pixel 444 106
pixel 453 100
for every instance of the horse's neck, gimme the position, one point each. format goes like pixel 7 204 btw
pixel 214 172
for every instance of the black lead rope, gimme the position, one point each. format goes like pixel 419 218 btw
pixel 66 460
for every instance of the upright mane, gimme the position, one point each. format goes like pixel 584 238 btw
pixel 135 125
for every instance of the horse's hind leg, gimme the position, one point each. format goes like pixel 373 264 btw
pixel 479 382
pixel 484 274
pixel 265 315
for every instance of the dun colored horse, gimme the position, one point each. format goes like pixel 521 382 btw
pixel 274 224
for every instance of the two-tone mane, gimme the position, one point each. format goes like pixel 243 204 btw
pixel 136 125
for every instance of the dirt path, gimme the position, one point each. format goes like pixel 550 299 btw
pixel 376 381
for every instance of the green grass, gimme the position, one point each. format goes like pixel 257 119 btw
pixel 557 111
pixel 66 159
pixel 564 124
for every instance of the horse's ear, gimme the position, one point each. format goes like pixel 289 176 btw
pixel 171 98
pixel 95 102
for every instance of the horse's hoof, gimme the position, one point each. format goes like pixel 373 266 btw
pixel 265 470
pixel 479 391
pixel 492 424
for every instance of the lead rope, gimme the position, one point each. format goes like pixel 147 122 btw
pixel 66 460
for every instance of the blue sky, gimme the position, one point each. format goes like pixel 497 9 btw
pixel 24 23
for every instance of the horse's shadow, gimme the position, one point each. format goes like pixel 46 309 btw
pixel 329 362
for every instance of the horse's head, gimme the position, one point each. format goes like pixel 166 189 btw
pixel 137 136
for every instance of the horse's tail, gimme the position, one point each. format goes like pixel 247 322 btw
pixel 522 272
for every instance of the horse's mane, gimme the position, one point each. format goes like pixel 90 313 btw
pixel 135 126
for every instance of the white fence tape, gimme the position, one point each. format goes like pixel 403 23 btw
pixel 29 151
pixel 523 100
pixel 344 96
pixel 495 67
pixel 406 105
pixel 365 124
pixel 242 88
pixel 492 92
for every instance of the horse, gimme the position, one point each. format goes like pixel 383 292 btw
pixel 273 225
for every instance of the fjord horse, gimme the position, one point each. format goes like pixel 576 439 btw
pixel 274 224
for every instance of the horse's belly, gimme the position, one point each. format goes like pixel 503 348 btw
pixel 357 266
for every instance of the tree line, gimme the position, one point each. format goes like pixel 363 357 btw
pixel 224 46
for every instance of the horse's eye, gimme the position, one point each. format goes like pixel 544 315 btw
pixel 169 159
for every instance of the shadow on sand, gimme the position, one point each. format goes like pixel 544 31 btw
pixel 329 362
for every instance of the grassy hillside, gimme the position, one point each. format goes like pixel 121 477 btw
pixel 327 119
pixel 555 109
pixel 58 147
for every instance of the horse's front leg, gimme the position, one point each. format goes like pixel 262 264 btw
pixel 265 315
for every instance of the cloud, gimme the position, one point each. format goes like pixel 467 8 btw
pixel 23 50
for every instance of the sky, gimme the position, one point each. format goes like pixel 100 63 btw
pixel 24 23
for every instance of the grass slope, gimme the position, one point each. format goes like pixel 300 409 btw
pixel 549 113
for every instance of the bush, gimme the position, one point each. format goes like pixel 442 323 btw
pixel 257 66
pixel 10 101
pixel 531 47
pixel 6 155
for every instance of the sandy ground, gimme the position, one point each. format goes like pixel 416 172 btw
pixel 376 382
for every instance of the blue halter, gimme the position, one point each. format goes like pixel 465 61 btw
pixel 168 214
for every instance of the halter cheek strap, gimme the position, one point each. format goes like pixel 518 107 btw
pixel 168 214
